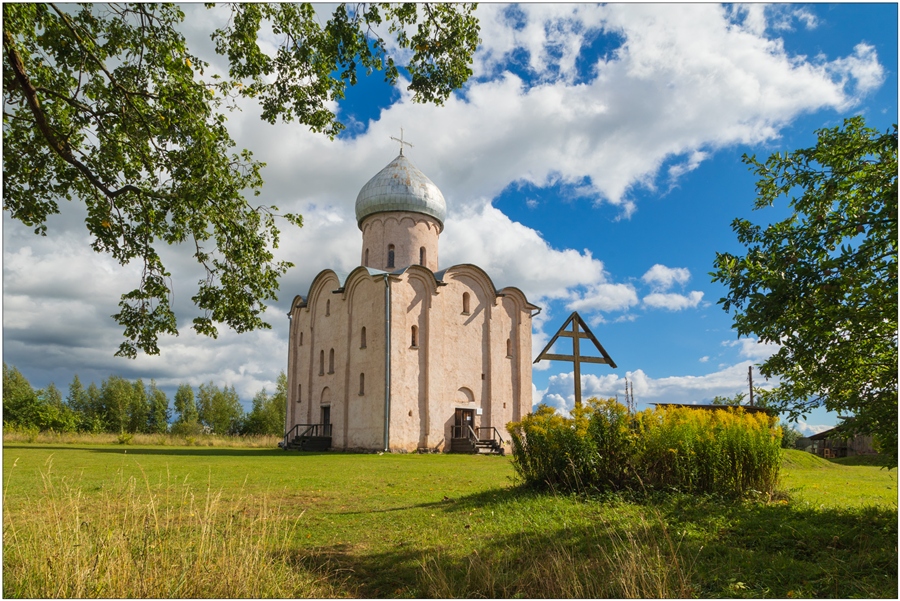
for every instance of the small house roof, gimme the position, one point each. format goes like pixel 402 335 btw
pixel 710 406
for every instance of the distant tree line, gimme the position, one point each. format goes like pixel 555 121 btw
pixel 121 406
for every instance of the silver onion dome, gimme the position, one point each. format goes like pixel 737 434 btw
pixel 400 187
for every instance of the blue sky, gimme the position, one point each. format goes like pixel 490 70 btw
pixel 593 160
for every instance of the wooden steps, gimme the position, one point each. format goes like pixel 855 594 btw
pixel 309 443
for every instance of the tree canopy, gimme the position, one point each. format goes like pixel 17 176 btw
pixel 106 104
pixel 822 283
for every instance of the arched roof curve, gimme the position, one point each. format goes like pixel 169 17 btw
pixel 473 271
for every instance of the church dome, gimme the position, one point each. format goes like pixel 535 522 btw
pixel 400 187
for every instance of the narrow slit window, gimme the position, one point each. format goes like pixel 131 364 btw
pixel 299 392
pixel 362 338
pixel 415 336
pixel 322 363
pixel 422 256
pixel 465 303
pixel 331 361
pixel 508 347
pixel 362 384
pixel 327 308
pixel 301 338
pixel 366 260
pixel 390 255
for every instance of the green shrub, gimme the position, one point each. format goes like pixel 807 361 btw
pixel 604 448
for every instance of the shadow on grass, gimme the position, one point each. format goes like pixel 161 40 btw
pixel 178 451
pixel 881 461
pixel 719 549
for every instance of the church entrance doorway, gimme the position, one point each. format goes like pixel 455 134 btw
pixel 326 420
pixel 463 420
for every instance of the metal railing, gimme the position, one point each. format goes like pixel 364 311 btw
pixel 310 430
pixel 463 432
pixel 494 434
pixel 482 433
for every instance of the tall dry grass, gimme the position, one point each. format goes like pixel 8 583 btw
pixel 642 561
pixel 173 440
pixel 143 540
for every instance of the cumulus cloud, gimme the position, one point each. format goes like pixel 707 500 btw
pixel 662 278
pixel 752 348
pixel 672 301
pixel 678 83
pixel 605 297
pixel 808 429
pixel 516 255
pixel 672 389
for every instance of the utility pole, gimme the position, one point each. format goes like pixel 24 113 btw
pixel 750 378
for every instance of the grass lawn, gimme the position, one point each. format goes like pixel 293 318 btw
pixel 153 521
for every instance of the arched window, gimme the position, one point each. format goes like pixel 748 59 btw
pixel 362 338
pixel 508 347
pixel 422 256
pixel 322 363
pixel 327 307
pixel 415 336
pixel 390 255
pixel 331 361
pixel 366 261
pixel 301 338
pixel 465 303
pixel 362 384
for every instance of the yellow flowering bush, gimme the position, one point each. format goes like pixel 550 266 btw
pixel 603 447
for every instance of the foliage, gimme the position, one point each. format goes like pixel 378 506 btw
pixel 789 437
pixel 27 408
pixel 219 409
pixel 734 401
pixel 115 397
pixel 158 417
pixel 19 398
pixel 185 406
pixel 107 105
pixel 604 448
pixel 822 283
pixel 268 413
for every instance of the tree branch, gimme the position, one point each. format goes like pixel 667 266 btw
pixel 60 147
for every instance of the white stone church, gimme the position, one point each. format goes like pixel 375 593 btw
pixel 401 354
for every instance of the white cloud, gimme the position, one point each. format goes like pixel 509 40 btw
pixel 682 82
pixel 516 255
pixel 811 429
pixel 752 348
pixel 862 67
pixel 672 389
pixel 703 359
pixel 662 278
pixel 605 297
pixel 672 301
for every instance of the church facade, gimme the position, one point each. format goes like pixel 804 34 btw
pixel 400 354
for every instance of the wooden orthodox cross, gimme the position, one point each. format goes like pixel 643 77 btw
pixel 579 330
pixel 400 139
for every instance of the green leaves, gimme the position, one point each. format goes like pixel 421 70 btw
pixel 314 64
pixel 823 282
pixel 106 104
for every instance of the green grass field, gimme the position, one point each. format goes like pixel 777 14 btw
pixel 165 521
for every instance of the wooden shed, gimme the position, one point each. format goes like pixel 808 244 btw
pixel 834 443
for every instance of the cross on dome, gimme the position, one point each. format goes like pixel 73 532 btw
pixel 400 139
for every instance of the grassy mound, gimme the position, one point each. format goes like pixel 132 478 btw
pixel 805 461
